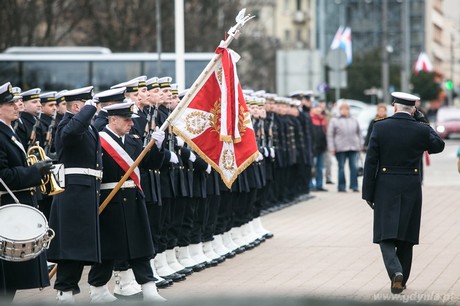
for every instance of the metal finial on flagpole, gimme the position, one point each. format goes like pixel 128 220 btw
pixel 233 33
pixel 240 19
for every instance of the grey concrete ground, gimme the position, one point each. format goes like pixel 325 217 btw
pixel 322 247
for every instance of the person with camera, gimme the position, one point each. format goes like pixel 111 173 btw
pixel 392 183
pixel 21 178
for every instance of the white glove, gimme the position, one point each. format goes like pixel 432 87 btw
pixel 180 142
pixel 174 158
pixel 91 102
pixel 159 137
pixel 260 157
pixel 208 170
pixel 272 152
pixel 265 152
pixel 192 157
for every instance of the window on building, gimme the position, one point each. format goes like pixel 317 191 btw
pixel 437 33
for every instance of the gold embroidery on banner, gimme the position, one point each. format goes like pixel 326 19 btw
pixel 214 117
pixel 219 75
pixel 228 160
pixel 195 122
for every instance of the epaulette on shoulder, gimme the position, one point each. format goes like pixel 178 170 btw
pixel 134 136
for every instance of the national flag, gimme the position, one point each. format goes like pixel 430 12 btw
pixel 217 124
pixel 423 63
pixel 342 40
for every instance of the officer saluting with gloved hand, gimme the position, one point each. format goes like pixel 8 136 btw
pixel 392 183
pixel 74 212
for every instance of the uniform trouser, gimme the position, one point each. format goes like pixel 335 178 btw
pixel 179 212
pixel 69 274
pixel 44 205
pixel 199 220
pixel 175 216
pixel 156 221
pixel 213 204
pixel 306 179
pixel 242 207
pixel 166 218
pixel 397 257
pixel 224 213
pixel 261 199
pixel 100 273
pixel 187 222
pixel 269 195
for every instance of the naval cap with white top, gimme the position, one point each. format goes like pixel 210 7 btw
pixel 125 109
pixel 404 98
pixel 6 93
pixel 111 95
pixel 48 97
pixel 31 94
pixel 79 94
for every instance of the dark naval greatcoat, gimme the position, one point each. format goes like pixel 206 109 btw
pixel 17 175
pixel 74 212
pixel 392 179
pixel 125 229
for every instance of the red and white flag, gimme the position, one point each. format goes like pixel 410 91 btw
pixel 423 63
pixel 217 124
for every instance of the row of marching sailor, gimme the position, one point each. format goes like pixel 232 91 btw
pixel 182 196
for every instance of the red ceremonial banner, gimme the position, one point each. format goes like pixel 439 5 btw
pixel 217 124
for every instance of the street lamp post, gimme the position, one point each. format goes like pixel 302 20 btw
pixel 385 65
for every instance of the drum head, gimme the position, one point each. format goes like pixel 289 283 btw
pixel 21 222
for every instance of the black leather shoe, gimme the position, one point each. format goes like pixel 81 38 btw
pixel 268 235
pixel 240 250
pixel 213 262
pixel 396 283
pixel 221 259
pixel 134 297
pixel 186 271
pixel 230 254
pixel 198 267
pixel 249 246
pixel 164 283
pixel 175 277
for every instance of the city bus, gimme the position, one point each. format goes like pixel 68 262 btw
pixel 58 68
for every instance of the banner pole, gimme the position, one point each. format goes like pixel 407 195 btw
pixel 234 33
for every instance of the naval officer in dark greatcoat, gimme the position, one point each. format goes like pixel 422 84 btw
pixel 392 183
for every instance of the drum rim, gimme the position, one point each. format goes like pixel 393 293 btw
pixel 7 239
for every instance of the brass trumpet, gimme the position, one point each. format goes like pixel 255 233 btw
pixel 49 178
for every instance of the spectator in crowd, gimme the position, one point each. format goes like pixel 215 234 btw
pixel 381 113
pixel 319 144
pixel 344 141
pixel 327 156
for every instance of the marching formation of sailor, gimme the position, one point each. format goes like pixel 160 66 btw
pixel 172 217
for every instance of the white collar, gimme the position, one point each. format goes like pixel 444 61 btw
pixel 121 137
pixel 8 125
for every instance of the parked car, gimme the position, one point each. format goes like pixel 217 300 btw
pixel 447 123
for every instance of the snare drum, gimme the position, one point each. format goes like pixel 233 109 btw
pixel 24 232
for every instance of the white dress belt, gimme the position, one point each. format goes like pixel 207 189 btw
pixel 126 184
pixel 20 190
pixel 84 171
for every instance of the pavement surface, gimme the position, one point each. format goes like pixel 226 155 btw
pixel 323 248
